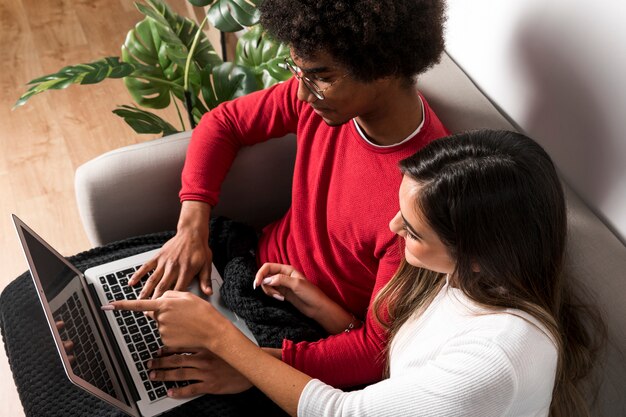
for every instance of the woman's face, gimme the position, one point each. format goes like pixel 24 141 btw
pixel 423 247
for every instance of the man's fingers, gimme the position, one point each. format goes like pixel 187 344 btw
pixel 205 279
pixel 183 281
pixel 133 305
pixel 143 270
pixel 149 285
pixel 164 284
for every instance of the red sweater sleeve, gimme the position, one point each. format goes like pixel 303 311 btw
pixel 245 121
pixel 353 358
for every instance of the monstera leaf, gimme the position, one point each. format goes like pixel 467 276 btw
pixel 91 73
pixel 143 121
pixel 259 52
pixel 166 58
pixel 226 82
pixel 178 33
pixel 232 15
pixel 158 47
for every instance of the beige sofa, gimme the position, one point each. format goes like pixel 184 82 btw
pixel 134 190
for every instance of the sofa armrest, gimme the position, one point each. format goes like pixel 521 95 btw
pixel 134 190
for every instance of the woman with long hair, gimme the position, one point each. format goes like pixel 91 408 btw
pixel 481 320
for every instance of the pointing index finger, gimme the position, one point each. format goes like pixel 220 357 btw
pixel 133 305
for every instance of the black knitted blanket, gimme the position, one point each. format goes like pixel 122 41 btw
pixel 234 245
pixel 42 385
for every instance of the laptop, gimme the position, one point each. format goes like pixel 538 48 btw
pixel 109 348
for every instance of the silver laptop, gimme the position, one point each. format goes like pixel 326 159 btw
pixel 109 348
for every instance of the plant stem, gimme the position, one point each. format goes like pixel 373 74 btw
pixel 194 44
pixel 180 116
pixel 189 107
pixel 187 92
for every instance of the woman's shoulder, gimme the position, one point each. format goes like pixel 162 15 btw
pixel 518 333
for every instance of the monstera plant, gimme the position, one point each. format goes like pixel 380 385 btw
pixel 168 60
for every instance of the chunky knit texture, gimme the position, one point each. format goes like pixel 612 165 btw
pixel 42 384
pixel 270 320
pixel 233 245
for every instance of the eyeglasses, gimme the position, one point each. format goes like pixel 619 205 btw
pixel 309 84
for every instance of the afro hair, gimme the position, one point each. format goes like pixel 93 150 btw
pixel 373 39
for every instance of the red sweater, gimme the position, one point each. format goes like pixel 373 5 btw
pixel 345 192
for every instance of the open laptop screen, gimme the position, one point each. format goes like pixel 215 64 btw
pixel 72 323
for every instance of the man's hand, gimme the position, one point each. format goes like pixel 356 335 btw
pixel 183 257
pixel 210 374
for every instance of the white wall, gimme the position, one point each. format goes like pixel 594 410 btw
pixel 557 68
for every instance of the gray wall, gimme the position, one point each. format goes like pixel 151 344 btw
pixel 557 68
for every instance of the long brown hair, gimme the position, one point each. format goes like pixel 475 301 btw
pixel 495 200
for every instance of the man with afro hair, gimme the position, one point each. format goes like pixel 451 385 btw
pixel 356 112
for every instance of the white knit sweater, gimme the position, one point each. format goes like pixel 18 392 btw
pixel 456 359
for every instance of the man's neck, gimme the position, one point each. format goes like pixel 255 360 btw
pixel 398 114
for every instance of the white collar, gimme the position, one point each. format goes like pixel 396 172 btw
pixel 408 138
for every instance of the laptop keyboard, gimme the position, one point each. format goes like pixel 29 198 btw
pixel 87 362
pixel 140 332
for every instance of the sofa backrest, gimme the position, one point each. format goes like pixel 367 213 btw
pixel 133 190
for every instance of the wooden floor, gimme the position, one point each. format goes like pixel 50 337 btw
pixel 42 143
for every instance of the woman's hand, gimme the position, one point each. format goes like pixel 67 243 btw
pixel 284 282
pixel 189 324
pixel 186 321
pixel 210 374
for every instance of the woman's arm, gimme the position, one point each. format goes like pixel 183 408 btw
pixel 279 381
pixel 471 374
pixel 188 323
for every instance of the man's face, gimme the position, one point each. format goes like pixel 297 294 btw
pixel 344 97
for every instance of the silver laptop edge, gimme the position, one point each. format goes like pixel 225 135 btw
pixel 136 401
pixel 129 408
